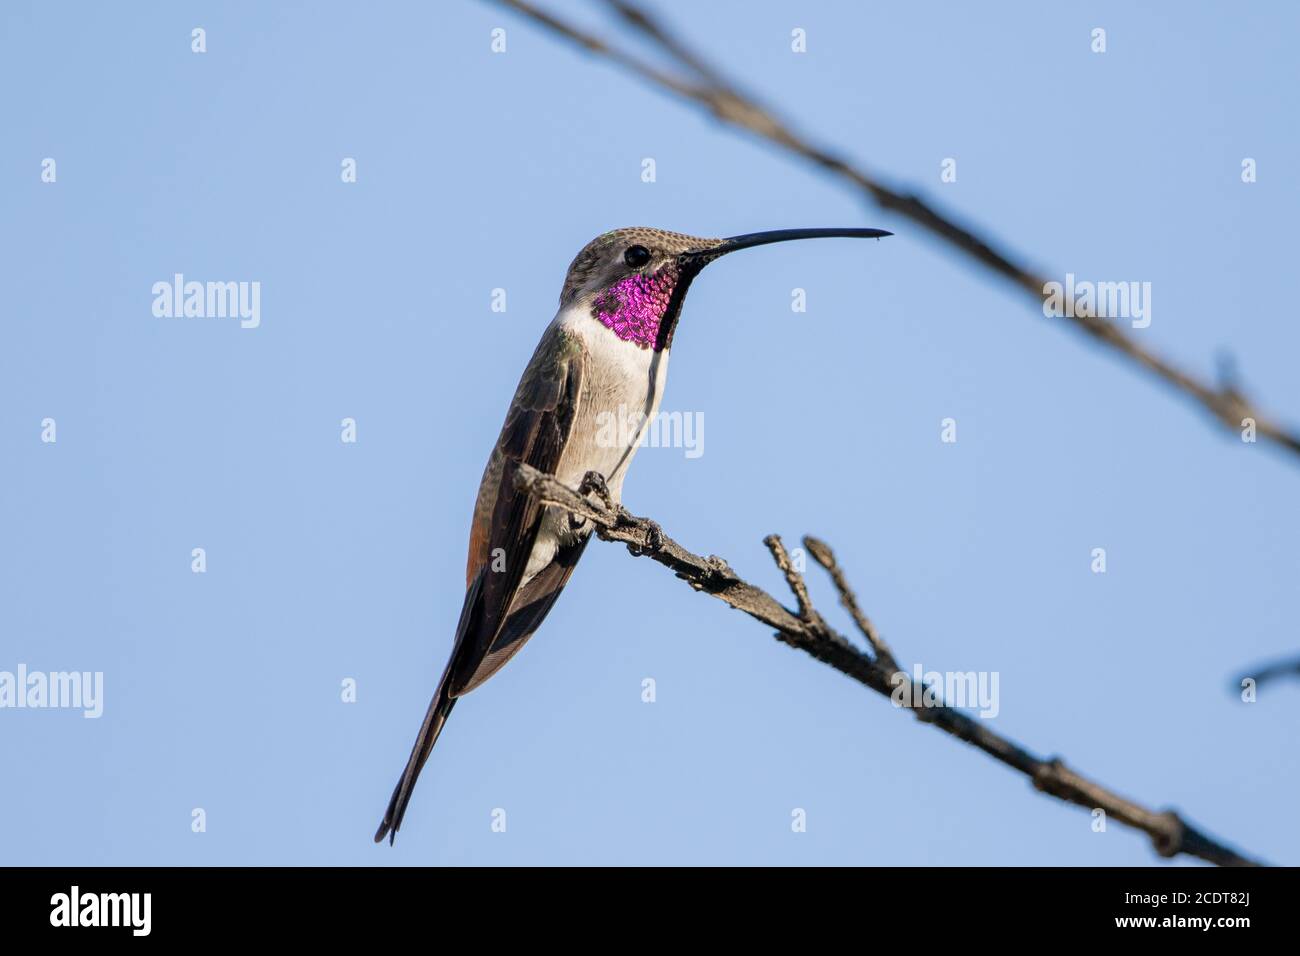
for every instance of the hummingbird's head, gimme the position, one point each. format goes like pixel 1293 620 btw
pixel 633 281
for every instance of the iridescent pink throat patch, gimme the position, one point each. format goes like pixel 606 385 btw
pixel 633 308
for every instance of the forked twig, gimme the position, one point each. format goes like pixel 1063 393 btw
pixel 806 630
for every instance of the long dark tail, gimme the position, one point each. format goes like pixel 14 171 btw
pixel 434 718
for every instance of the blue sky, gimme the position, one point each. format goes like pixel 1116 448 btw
pixel 329 561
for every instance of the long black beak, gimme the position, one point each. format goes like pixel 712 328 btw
pixel 697 259
pixel 691 262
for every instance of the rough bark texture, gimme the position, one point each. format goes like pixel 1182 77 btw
pixel 873 666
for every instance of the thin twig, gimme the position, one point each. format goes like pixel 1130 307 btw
pixel 732 106
pixel 1169 833
pixel 823 555
pixel 1268 673
pixel 792 577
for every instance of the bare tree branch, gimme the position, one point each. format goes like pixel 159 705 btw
pixel 706 87
pixel 809 632
pixel 794 578
pixel 1268 673
pixel 823 555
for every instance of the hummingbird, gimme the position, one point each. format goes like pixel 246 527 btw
pixel 605 350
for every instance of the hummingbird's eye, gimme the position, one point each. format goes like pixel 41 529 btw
pixel 636 256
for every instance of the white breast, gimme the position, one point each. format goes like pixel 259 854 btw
pixel 622 387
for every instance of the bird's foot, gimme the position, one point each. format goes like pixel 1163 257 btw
pixel 654 535
pixel 593 482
